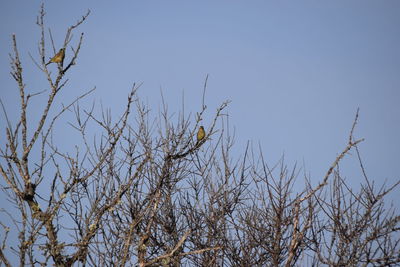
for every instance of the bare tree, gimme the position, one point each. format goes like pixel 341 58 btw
pixel 356 228
pixel 142 191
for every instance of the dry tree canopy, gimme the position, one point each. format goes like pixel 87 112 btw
pixel 144 191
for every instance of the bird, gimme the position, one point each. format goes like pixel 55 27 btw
pixel 58 58
pixel 200 134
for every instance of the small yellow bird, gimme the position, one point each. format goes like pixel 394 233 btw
pixel 200 134
pixel 58 58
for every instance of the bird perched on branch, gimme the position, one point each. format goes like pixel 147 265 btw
pixel 58 58
pixel 200 134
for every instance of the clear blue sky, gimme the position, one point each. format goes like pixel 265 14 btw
pixel 295 71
